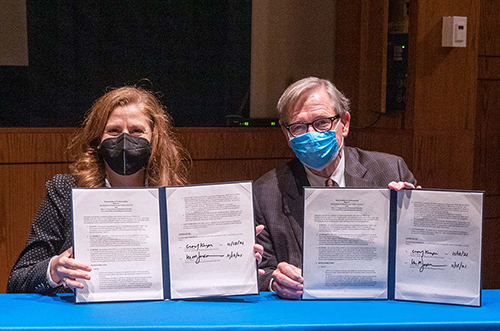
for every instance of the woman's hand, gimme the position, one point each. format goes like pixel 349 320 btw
pixel 65 270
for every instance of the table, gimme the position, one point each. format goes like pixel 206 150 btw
pixel 264 311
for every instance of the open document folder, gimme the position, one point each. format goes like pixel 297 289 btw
pixel 165 243
pixel 416 245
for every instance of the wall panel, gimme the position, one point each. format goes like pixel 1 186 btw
pixel 234 143
pixel 487 157
pixel 23 190
pixel 488 145
pixel 35 145
pixel 490 260
pixel 489 67
pixel 443 86
pixel 444 159
pixel 445 78
pixel 398 142
pixel 489 40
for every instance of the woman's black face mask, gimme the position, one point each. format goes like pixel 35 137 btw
pixel 126 154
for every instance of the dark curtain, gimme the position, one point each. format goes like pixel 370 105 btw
pixel 196 54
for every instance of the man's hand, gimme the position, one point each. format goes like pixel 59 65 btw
pixel 287 281
pixel 259 249
pixel 397 186
pixel 64 269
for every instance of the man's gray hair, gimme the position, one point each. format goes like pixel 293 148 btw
pixel 291 96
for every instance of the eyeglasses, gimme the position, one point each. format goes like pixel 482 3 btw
pixel 320 125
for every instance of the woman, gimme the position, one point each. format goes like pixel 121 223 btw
pixel 126 141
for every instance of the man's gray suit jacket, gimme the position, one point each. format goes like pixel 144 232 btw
pixel 279 202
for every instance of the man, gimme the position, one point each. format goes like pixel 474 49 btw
pixel 314 117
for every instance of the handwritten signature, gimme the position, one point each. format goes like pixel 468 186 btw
pixel 423 252
pixel 421 264
pixel 199 246
pixel 198 257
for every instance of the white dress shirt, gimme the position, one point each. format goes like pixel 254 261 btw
pixel 337 176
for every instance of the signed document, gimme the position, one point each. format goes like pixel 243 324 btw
pixel 165 243
pixel 117 233
pixel 346 234
pixel 211 235
pixel 415 245
pixel 438 253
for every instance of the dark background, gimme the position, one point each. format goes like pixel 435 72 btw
pixel 196 55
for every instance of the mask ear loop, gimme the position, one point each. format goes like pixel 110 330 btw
pixel 336 126
pixel 335 130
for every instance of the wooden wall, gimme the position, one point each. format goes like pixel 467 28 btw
pixel 443 95
pixel 27 160
pixel 487 151
pixel 450 127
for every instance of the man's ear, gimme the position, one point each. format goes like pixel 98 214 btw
pixel 346 120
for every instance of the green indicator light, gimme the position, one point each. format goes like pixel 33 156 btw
pixel 273 123
pixel 246 123
pixel 403 46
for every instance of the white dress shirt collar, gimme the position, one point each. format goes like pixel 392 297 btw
pixel 337 176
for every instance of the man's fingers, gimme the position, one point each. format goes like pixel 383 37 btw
pixel 286 281
pixel 286 292
pixel 261 271
pixel 400 185
pixel 258 257
pixel 258 249
pixel 290 271
pixel 395 186
pixel 408 185
pixel 259 229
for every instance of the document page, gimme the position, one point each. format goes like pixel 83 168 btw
pixel 346 239
pixel 117 233
pixel 211 234
pixel 438 255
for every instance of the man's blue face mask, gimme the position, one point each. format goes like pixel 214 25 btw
pixel 316 149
